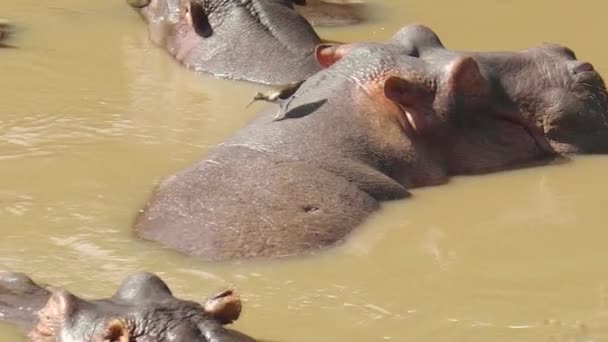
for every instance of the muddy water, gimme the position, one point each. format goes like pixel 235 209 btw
pixel 92 115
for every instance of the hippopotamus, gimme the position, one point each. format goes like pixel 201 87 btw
pixel 262 41
pixel 143 309
pixel 363 131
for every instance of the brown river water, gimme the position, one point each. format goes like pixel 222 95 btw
pixel 92 115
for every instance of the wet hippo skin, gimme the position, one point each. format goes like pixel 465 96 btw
pixel 142 309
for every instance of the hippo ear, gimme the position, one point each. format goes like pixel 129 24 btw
pixel 200 21
pixel 405 92
pixel 466 83
pixel 417 38
pixel 328 54
pixel 412 97
pixel 58 308
pixel 142 287
pixel 116 331
pixel 224 307
pixel 61 303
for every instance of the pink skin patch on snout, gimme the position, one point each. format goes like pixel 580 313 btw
pixel 583 67
pixel 188 17
pixel 188 39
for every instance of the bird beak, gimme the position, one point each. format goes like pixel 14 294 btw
pixel 252 101
pixel 258 96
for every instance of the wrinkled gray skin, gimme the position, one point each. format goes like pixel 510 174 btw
pixel 143 309
pixel 547 98
pixel 20 299
pixel 376 122
pixel 264 41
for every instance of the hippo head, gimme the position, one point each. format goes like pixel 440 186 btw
pixel 399 98
pixel 426 96
pixel 559 102
pixel 259 40
pixel 481 112
pixel 143 309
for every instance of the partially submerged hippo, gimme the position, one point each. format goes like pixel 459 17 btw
pixel 264 41
pixel 362 131
pixel 143 309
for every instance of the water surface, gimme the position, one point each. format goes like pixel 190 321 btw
pixel 93 115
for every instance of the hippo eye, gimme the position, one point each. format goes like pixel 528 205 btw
pixel 200 21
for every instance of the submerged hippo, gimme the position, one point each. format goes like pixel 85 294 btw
pixel 362 131
pixel 264 41
pixel 143 309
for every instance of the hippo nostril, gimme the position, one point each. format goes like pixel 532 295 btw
pixel 582 67
pixel 310 208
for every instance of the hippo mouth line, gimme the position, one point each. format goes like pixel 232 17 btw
pixel 536 133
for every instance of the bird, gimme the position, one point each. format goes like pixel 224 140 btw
pixel 277 95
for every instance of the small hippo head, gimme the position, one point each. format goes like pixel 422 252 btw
pixel 263 41
pixel 143 309
pixel 560 101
